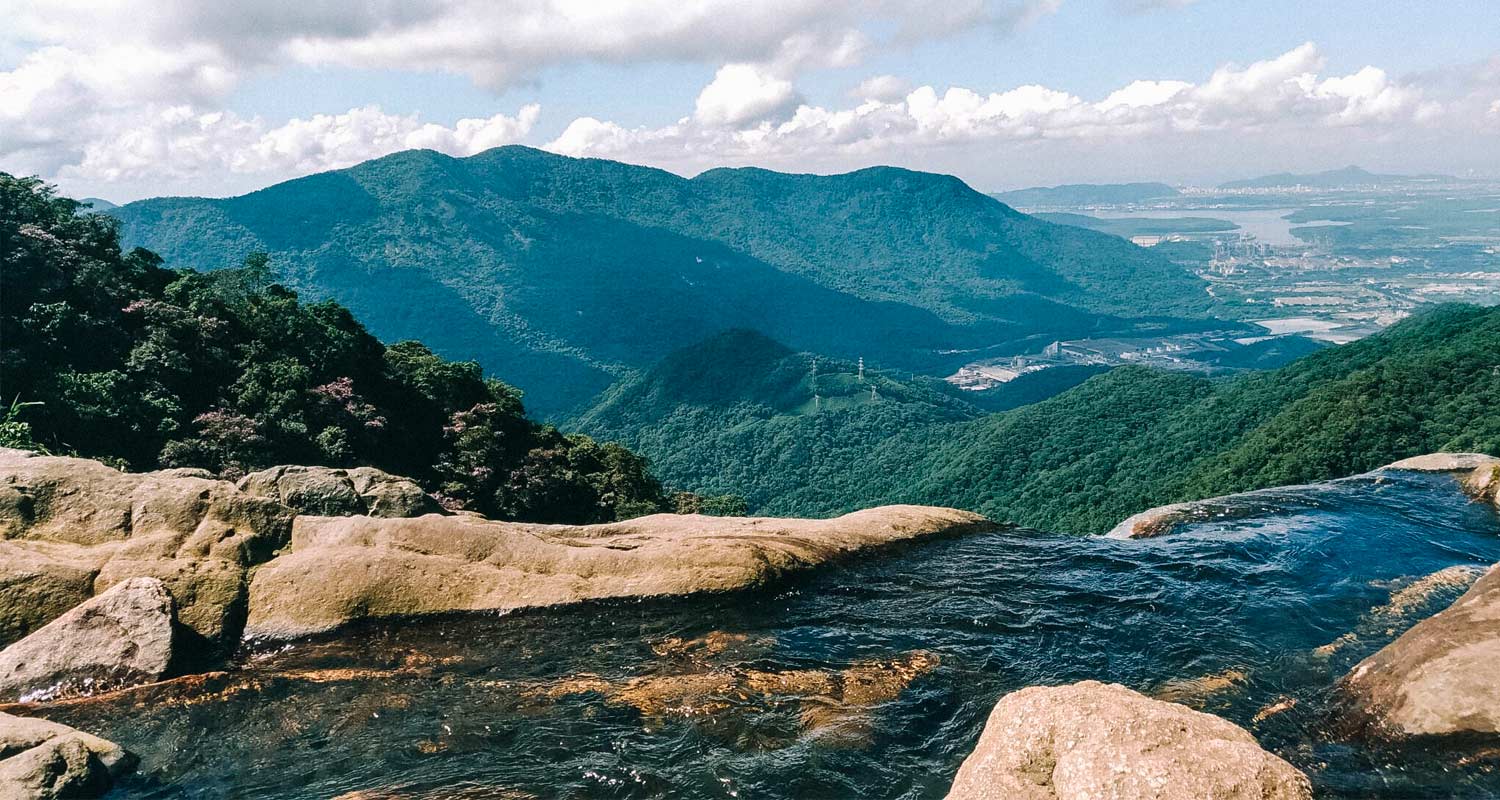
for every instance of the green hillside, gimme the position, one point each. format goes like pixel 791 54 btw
pixel 567 274
pixel 106 354
pixel 738 414
pixel 1121 442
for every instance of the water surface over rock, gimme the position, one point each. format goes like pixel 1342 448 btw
pixel 1228 614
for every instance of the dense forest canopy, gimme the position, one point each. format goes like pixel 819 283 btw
pixel 109 355
pixel 1079 461
pixel 565 274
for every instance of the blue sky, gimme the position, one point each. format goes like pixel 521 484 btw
pixel 124 99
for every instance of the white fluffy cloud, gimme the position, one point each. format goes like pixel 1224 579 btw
pixel 1282 93
pixel 179 143
pixel 94 86
pixel 742 93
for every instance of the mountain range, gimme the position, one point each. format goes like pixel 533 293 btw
pixel 1078 461
pixel 1073 195
pixel 566 274
pixel 1345 178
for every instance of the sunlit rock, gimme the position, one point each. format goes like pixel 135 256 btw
pixel 331 492
pixel 42 760
pixel 72 527
pixel 1096 740
pixel 120 637
pixel 347 568
pixel 1441 677
pixel 1445 462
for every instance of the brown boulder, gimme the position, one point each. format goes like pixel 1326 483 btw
pixel 332 492
pixel 71 528
pixel 1096 740
pixel 120 637
pixel 343 569
pixel 1442 676
pixel 41 760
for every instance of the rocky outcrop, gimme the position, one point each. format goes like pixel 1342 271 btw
pixel 41 760
pixel 1479 474
pixel 121 637
pixel 343 569
pixel 330 492
pixel 1440 677
pixel 1444 462
pixel 1096 740
pixel 71 528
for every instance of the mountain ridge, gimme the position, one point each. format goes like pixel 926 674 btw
pixel 539 264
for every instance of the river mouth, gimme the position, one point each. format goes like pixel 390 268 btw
pixel 871 678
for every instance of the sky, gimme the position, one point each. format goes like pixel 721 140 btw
pixel 124 99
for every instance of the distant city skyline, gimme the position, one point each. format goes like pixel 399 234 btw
pixel 127 99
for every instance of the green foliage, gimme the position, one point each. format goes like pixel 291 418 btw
pixel 230 372
pixel 1081 461
pixel 16 432
pixel 569 273
pixel 718 505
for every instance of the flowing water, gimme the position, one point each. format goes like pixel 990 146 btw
pixel 869 679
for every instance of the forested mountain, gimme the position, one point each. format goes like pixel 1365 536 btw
pixel 1343 178
pixel 568 273
pixel 783 429
pixel 1073 195
pixel 106 354
pixel 1080 461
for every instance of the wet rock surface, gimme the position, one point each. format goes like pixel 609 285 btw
pixel 1096 740
pixel 120 637
pixel 349 568
pixel 42 760
pixel 1442 677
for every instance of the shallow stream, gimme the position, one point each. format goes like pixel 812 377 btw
pixel 868 679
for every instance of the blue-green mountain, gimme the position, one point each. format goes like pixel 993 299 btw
pixel 566 274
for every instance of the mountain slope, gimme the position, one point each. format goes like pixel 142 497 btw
pixel 1082 194
pixel 737 413
pixel 1080 461
pixel 1133 439
pixel 1346 177
pixel 569 273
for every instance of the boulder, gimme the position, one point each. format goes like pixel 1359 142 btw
pixel 120 637
pixel 41 760
pixel 1096 740
pixel 71 528
pixel 343 569
pixel 1440 677
pixel 332 492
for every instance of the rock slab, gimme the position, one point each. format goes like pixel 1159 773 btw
pixel 347 568
pixel 332 492
pixel 120 637
pixel 71 528
pixel 42 760
pixel 1099 741
pixel 1441 677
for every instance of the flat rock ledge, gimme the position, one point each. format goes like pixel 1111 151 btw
pixel 340 569
pixel 42 760
pixel 1478 473
pixel 1095 740
pixel 1441 677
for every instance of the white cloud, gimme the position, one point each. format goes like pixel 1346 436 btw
pixel 881 87
pixel 743 93
pixel 1283 93
pixel 92 81
pixel 176 142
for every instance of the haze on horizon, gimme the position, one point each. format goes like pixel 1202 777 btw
pixel 129 99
